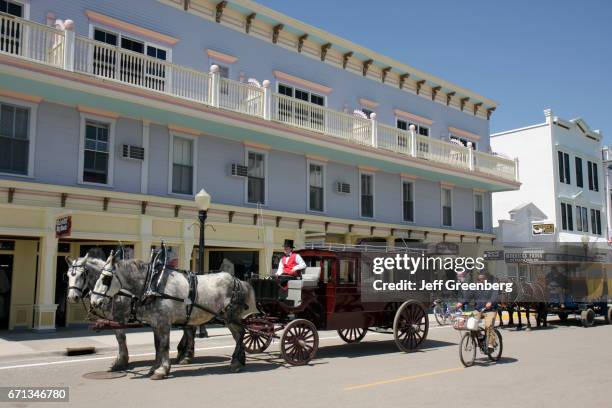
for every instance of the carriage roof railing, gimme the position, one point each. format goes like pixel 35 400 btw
pixel 360 247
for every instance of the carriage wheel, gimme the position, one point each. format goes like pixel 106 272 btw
pixel 299 342
pixel 354 335
pixel 609 315
pixel 562 316
pixel 255 341
pixel 410 325
pixel 587 317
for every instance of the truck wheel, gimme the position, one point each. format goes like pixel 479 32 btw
pixel 587 317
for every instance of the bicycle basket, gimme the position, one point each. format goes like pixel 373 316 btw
pixel 460 322
pixel 473 324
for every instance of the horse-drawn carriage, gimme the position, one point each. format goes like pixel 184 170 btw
pixel 327 297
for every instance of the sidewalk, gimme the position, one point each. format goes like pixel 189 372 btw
pixel 17 344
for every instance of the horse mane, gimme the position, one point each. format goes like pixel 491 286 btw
pixel 96 253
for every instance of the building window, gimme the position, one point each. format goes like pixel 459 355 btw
pixel 316 182
pixel 578 163
pixel 447 207
pixel 367 112
pixel 297 113
pixel 14 139
pixel 567 223
pixel 126 68
pixel 597 230
pixel 564 167
pixel 256 183
pixel 367 195
pixel 96 153
pixel 593 176
pixel 582 219
pixel 182 165
pixel 478 211
pixel 419 130
pixel 464 141
pixel 408 201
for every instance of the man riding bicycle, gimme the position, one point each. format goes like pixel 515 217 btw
pixel 485 307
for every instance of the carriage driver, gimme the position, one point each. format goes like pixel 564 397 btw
pixel 291 264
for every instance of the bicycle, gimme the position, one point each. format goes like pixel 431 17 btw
pixel 444 313
pixel 475 338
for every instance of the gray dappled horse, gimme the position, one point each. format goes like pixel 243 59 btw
pixel 82 276
pixel 217 295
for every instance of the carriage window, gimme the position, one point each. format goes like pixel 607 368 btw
pixel 323 263
pixel 347 271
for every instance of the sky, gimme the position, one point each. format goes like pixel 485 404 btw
pixel 527 55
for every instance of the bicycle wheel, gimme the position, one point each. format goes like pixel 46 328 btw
pixel 439 315
pixel 467 349
pixel 498 348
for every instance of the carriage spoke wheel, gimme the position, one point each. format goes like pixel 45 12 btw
pixel 410 326
pixel 255 341
pixel 354 335
pixel 299 342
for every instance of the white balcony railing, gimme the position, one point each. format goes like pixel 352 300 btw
pixel 62 48
pixel 320 119
pixel 32 41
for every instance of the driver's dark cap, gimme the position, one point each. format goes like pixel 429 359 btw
pixel 288 243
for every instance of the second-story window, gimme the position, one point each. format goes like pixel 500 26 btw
pixel 419 129
pixel 447 207
pixel 582 219
pixel 299 114
pixel 367 195
pixel 592 175
pixel 578 163
pixel 256 183
pixel 464 141
pixel 182 165
pixel 14 139
pixel 408 201
pixel 96 154
pixel 478 211
pixel 596 222
pixel 564 167
pixel 567 222
pixel 126 67
pixel 315 187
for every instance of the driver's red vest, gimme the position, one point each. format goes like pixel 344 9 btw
pixel 288 264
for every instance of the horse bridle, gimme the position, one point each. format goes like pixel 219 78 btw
pixel 83 291
pixel 107 276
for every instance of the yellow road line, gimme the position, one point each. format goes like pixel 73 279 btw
pixel 395 380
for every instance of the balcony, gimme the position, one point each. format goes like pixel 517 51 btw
pixel 65 50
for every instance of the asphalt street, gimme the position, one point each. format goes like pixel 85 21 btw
pixel 564 365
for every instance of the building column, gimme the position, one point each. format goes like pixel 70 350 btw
pixel 265 256
pixel 45 306
pixel 142 249
pixel 186 248
pixel 349 239
pixel 390 242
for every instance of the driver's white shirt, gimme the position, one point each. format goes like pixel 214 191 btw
pixel 298 259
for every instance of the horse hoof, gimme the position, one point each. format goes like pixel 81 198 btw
pixel 185 361
pixel 119 366
pixel 236 367
pixel 159 374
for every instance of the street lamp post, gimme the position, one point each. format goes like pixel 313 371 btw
pixel 202 200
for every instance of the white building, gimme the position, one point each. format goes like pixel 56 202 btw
pixel 561 175
pixel 606 155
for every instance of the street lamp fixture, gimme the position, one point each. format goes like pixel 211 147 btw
pixel 202 200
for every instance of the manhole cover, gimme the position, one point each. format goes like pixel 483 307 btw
pixel 104 375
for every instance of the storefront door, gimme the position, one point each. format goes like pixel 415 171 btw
pixel 6 275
